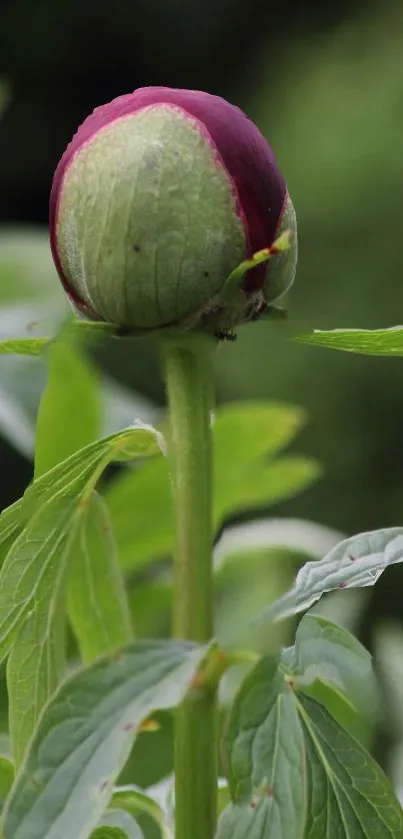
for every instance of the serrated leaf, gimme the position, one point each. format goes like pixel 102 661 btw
pixel 387 342
pixel 98 607
pixel 120 820
pixel 349 797
pixel 264 760
pixel 244 435
pixel 85 736
pixel 357 562
pixel 70 409
pixel 329 653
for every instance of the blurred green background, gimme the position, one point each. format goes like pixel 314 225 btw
pixel 325 85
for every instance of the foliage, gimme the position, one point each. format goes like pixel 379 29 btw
pixel 82 553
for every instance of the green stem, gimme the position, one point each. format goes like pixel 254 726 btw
pixel 188 368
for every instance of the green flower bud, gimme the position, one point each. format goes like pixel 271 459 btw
pixel 157 199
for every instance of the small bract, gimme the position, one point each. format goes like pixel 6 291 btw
pixel 157 199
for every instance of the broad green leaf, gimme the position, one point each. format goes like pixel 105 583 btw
pixel 6 778
pixel 23 346
pixel 32 578
pixel 349 797
pixel 259 485
pixel 109 833
pixel 70 410
pixel 32 566
pixel 258 429
pixel 364 341
pixel 10 523
pixel 139 504
pixel 243 437
pixel 98 607
pixel 341 709
pixel 264 760
pixel 119 819
pixel 356 562
pixel 32 614
pixel 72 474
pixel 85 736
pixel 327 652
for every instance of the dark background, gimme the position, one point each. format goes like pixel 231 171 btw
pixel 324 82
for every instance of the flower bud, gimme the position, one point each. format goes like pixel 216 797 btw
pixel 157 199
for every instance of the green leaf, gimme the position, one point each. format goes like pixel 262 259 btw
pixel 327 652
pixel 69 412
pixel 122 821
pixel 349 797
pixel 109 833
pixel 135 801
pixel 32 566
pixel 363 341
pixel 98 607
pixel 356 562
pixel 85 736
pixel 6 778
pixel 23 346
pixel 259 485
pixel 72 475
pixel 10 523
pixel 32 578
pixel 244 435
pixel 257 428
pixel 32 614
pixel 264 760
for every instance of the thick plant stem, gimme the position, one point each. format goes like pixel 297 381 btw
pixel 189 385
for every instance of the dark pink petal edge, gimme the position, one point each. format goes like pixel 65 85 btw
pixel 259 187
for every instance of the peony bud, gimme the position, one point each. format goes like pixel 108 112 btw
pixel 157 199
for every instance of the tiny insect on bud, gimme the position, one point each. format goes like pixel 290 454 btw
pixel 160 195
